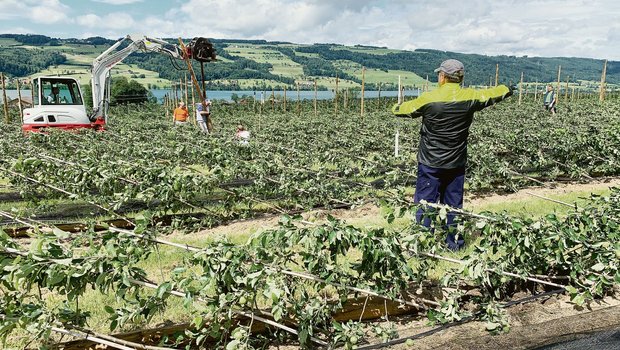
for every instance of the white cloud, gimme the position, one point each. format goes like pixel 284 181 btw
pixel 511 27
pixel 49 12
pixel 117 21
pixel 118 2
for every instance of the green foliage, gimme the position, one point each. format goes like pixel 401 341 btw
pixel 297 160
pixel 19 62
pixel 127 91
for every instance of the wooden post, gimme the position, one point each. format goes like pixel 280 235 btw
pixel 601 96
pixel 316 112
pixel 7 117
pixel 363 87
pixel 426 84
pixel 379 98
pixel 298 101
pixel 346 98
pixel 572 93
pixel 273 99
pixel 496 74
pixel 32 91
pixel 336 97
pixel 536 91
pixel 557 92
pixel 193 105
pixel 521 89
pixel 284 98
pixel 400 91
pixel 19 99
pixel 566 91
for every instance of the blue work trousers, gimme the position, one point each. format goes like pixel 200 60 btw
pixel 443 186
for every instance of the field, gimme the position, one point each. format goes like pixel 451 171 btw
pixel 305 235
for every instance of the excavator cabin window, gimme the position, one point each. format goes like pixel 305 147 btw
pixel 60 92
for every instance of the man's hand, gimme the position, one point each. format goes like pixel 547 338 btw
pixel 512 89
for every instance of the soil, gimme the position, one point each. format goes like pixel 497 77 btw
pixel 370 213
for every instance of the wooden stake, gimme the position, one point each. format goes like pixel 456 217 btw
pixel 566 91
pixel 603 77
pixel 19 99
pixel 536 91
pixel 496 74
pixel 363 87
pixel 521 89
pixel 336 97
pixel 32 91
pixel 557 92
pixel 284 98
pixel 193 106
pixel 400 91
pixel 379 98
pixel 298 100
pixel 7 117
pixel 201 92
pixel 273 100
pixel 316 112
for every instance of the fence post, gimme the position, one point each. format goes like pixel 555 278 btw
pixel 7 117
pixel 19 98
pixel 336 97
pixel 496 74
pixel 521 89
pixel 363 87
pixel 316 112
pixel 603 76
pixel 557 93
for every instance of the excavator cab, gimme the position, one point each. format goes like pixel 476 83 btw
pixel 58 103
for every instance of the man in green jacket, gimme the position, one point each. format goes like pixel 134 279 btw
pixel 447 114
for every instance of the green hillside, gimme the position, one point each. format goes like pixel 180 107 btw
pixel 258 64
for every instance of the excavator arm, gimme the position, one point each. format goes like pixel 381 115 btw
pixel 104 63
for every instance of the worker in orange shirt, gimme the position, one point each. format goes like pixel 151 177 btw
pixel 180 114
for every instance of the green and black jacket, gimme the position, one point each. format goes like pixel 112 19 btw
pixel 447 113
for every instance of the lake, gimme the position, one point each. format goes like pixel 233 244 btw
pixel 227 95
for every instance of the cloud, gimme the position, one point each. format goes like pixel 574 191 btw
pixel 49 12
pixel 116 21
pixel 511 27
pixel 118 2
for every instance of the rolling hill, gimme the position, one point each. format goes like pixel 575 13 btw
pixel 258 64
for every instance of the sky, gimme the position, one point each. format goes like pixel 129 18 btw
pixel 550 28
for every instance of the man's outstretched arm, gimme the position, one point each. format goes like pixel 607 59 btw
pixel 409 109
pixel 488 97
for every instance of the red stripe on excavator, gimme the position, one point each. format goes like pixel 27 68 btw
pixel 41 127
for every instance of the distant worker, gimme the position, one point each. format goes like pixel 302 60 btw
pixel 550 99
pixel 242 135
pixel 447 113
pixel 54 97
pixel 203 115
pixel 180 114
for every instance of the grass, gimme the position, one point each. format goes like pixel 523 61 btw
pixel 282 65
pixel 537 207
pixel 369 50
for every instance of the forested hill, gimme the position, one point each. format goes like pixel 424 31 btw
pixel 249 63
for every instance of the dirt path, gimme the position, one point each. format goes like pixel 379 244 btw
pixel 370 214
pixel 521 195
